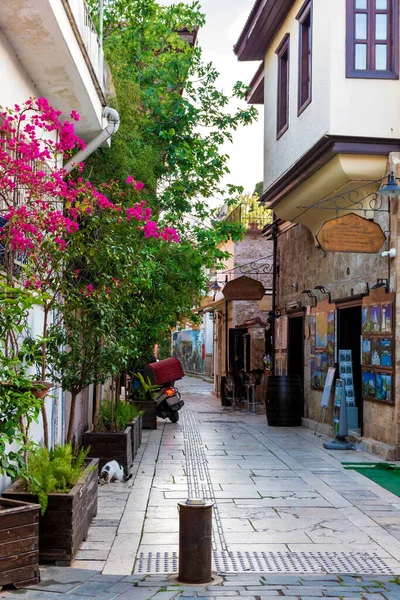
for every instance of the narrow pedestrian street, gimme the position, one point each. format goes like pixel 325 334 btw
pixel 288 519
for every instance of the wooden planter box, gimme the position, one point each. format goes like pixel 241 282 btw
pixel 150 412
pixel 65 524
pixel 108 446
pixel 19 543
pixel 136 425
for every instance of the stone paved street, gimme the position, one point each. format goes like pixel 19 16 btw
pixel 288 519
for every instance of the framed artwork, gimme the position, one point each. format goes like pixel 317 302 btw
pixel 366 351
pixel 386 353
pixel 369 384
pixel 377 347
pixel 322 331
pixel 376 352
pixel 384 387
pixel 386 326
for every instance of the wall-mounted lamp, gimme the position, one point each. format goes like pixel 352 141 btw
pixel 380 284
pixel 323 290
pixel 310 295
pixel 391 188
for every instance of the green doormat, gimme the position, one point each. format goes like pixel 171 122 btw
pixel 386 475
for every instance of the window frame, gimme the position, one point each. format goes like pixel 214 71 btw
pixel 304 14
pixel 392 72
pixel 282 50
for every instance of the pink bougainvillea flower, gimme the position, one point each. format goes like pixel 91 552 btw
pixel 129 179
pixel 74 115
pixel 169 234
pixel 151 230
pixel 139 186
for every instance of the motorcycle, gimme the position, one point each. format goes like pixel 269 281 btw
pixel 164 373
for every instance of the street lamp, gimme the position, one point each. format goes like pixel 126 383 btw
pixel 215 288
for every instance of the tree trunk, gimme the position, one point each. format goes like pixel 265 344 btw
pixel 72 417
pixel 96 406
pixel 45 425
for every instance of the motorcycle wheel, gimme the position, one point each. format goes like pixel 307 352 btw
pixel 174 416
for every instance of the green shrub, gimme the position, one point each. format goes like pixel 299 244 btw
pixel 55 470
pixel 118 419
pixel 146 391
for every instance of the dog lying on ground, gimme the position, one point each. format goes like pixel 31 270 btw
pixel 111 472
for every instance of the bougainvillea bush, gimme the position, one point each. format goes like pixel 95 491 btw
pixel 82 248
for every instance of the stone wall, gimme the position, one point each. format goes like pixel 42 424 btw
pixel 302 266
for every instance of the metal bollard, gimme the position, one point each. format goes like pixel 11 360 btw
pixel 195 541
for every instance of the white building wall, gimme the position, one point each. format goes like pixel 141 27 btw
pixel 16 85
pixel 366 108
pixel 304 130
pixel 359 107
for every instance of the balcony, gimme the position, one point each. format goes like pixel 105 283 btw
pixel 57 46
pixel 251 214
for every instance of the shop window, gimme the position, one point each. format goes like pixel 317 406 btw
pixel 283 86
pixel 305 56
pixel 372 39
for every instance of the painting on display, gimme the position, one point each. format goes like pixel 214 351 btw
pixel 386 353
pixel 189 347
pixel 386 318
pixel 322 331
pixel 369 384
pixel 376 352
pixel 371 318
pixel 366 351
pixel 384 387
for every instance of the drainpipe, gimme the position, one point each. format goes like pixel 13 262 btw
pixel 111 129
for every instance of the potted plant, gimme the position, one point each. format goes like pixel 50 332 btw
pixel 19 547
pixel 112 437
pixel 142 394
pixel 66 487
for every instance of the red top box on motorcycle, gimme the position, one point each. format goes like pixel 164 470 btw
pixel 164 371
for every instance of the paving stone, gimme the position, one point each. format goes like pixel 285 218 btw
pixel 90 588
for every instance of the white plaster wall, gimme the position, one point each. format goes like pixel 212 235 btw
pixel 360 107
pixel 304 130
pixel 16 85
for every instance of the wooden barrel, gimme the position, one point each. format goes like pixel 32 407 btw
pixel 284 400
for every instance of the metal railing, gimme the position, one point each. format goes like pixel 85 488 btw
pixel 251 216
pixel 90 38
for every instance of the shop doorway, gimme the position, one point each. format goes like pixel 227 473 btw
pixel 296 349
pixel 349 338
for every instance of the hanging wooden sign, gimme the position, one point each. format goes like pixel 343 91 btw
pixel 244 288
pixel 351 233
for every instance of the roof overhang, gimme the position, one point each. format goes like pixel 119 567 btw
pixel 265 19
pixel 256 93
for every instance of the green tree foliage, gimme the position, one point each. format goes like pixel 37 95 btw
pixel 174 118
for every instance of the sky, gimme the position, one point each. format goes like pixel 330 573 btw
pixel 225 21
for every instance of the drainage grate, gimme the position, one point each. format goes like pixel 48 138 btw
pixel 272 562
